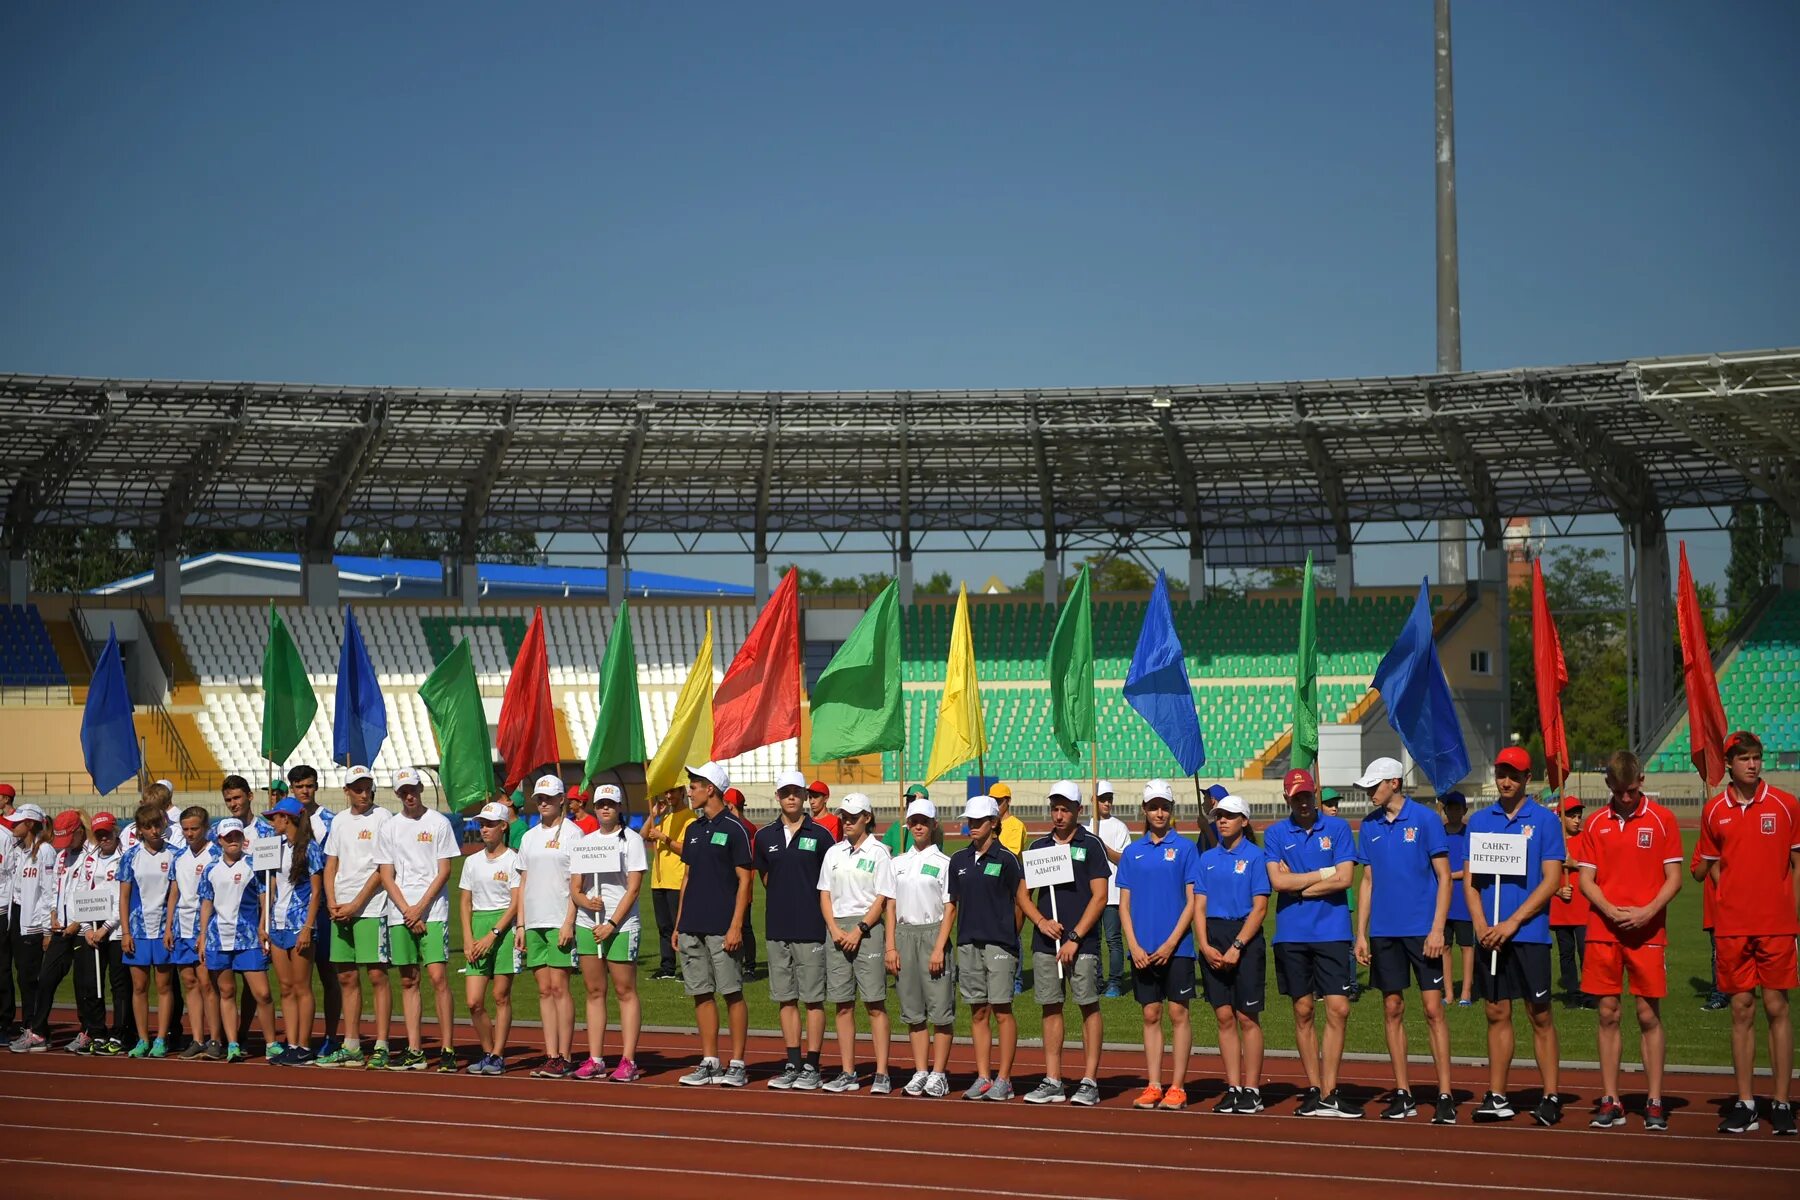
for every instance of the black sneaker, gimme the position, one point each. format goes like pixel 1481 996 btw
pixel 1608 1112
pixel 1494 1107
pixel 1309 1103
pixel 1228 1103
pixel 666 974
pixel 1717 1002
pixel 1655 1115
pixel 1781 1119
pixel 1400 1106
pixel 1249 1102
pixel 1445 1111
pixel 1740 1118
pixel 1548 1111
pixel 1335 1105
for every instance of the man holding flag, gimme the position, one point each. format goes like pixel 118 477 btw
pixel 1066 950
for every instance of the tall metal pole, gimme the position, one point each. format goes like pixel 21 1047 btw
pixel 1453 564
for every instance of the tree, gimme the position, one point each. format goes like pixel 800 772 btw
pixel 1757 532
pixel 1106 573
pixel 520 549
pixel 1588 601
pixel 77 560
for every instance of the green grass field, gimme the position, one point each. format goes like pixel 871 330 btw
pixel 1694 1037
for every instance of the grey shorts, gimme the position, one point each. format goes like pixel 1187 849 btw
pixel 863 977
pixel 1081 982
pixel 797 971
pixel 985 973
pixel 924 996
pixel 706 969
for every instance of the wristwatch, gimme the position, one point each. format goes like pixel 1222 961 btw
pixel 864 926
pixel 1236 944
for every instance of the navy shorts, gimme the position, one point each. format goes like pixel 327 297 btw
pixel 1313 969
pixel 1243 987
pixel 1393 959
pixel 1459 933
pixel 1173 981
pixel 1524 973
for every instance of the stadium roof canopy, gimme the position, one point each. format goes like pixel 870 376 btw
pixel 1250 472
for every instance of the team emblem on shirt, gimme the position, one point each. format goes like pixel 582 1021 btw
pixel 1412 833
pixel 426 837
pixel 1237 868
pixel 1325 842
pixel 1529 830
pixel 1768 823
pixel 365 835
pixel 1643 839
pixel 1169 854
pixel 237 877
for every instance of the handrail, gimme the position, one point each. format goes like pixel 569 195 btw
pixel 172 742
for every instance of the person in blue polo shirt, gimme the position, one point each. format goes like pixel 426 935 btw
pixel 788 853
pixel 715 898
pixel 1402 905
pixel 1312 864
pixel 1229 906
pixel 1459 933
pixel 1157 877
pixel 1069 960
pixel 1513 961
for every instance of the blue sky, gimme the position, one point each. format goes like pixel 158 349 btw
pixel 821 196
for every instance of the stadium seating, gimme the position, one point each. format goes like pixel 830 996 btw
pixel 1760 688
pixel 27 658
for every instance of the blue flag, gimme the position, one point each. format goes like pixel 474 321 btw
pixel 1411 681
pixel 359 727
pixel 108 738
pixel 1157 685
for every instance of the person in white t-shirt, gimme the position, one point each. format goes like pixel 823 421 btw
pixel 856 890
pixel 490 914
pixel 356 908
pixel 413 852
pixel 547 928
pixel 927 984
pixel 606 936
pixel 1115 835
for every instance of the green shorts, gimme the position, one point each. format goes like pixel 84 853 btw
pixel 409 949
pixel 503 957
pixel 621 947
pixel 363 942
pixel 541 949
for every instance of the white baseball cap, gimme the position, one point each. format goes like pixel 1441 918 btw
pixel 1159 789
pixel 981 808
pixel 1380 769
pixel 549 785
pixel 921 808
pixel 407 777
pixel 1103 787
pixel 853 803
pixel 498 813
pixel 229 826
pixel 1233 804
pixel 1066 789
pixel 790 779
pixel 609 793
pixel 715 774
pixel 168 783
pixel 28 812
pixel 359 775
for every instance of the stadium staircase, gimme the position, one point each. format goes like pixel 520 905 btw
pixel 1759 683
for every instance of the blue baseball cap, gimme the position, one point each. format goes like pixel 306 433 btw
pixel 1217 792
pixel 287 806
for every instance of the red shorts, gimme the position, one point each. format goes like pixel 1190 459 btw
pixel 1746 963
pixel 1605 965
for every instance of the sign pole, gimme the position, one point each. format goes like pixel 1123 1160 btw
pixel 1494 954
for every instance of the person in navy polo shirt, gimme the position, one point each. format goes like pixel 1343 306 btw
pixel 1157 877
pixel 1402 905
pixel 987 894
pixel 1229 907
pixel 1512 961
pixel 1312 863
pixel 1069 959
pixel 715 897
pixel 788 853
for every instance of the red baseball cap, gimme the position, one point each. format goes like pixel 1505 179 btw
pixel 1571 804
pixel 818 789
pixel 1741 735
pixel 1516 757
pixel 65 829
pixel 1298 780
pixel 734 796
pixel 6 789
pixel 103 821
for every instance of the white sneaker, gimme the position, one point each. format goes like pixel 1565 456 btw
pixel 916 1085
pixel 843 1081
pixel 937 1085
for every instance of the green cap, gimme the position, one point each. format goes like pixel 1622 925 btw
pixel 1328 794
pixel 918 789
pixel 277 785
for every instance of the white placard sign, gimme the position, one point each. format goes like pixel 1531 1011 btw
pixel 265 853
pixel 1498 853
pixel 596 858
pixel 1048 866
pixel 92 907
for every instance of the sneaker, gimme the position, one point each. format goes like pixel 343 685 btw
pixel 141 1049
pixel 1087 1094
pixel 734 1075
pixel 273 1051
pixel 1250 1101
pixel 325 1047
pixel 1715 1003
pixel 626 1072
pixel 1548 1111
pixel 1002 1089
pixel 213 1052
pixel 701 1075
pixel 666 974
pixel 1050 1091
pixel 1445 1111
pixel 978 1090
pixel 881 1085
pixel 937 1085
pixel 810 1080
pixel 554 1067
pixel 1781 1119
pixel 410 1059
pixel 377 1060
pixel 1608 1112
pixel 1113 991
pixel 1149 1098
pixel 1465 1004
pixel 1740 1118
pixel 447 1064
pixel 192 1051
pixel 29 1043
pixel 785 1080
pixel 1018 986
pixel 843 1081
pixel 83 1044
pixel 343 1056
pixel 590 1068
pixel 1494 1107
pixel 112 1047
pixel 1655 1115
pixel 478 1067
pixel 234 1053
pixel 916 1085
pixel 1335 1105
pixel 1174 1100
pixel 1400 1107
pixel 1228 1103
pixel 1309 1103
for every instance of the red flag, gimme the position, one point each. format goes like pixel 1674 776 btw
pixel 1706 714
pixel 1551 674
pixel 526 735
pixel 758 701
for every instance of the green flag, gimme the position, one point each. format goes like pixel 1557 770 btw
pixel 458 722
pixel 288 700
pixel 1071 666
pixel 856 703
pixel 619 735
pixel 1306 678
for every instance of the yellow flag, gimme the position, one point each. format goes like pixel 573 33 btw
pixel 961 733
pixel 690 729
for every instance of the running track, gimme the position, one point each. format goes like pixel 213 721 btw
pixel 82 1125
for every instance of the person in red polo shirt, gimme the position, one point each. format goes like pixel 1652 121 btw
pixel 1630 869
pixel 816 796
pixel 1750 834
pixel 1569 908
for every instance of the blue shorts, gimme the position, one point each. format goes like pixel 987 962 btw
pixel 252 959
pixel 186 952
pixel 285 939
pixel 149 952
